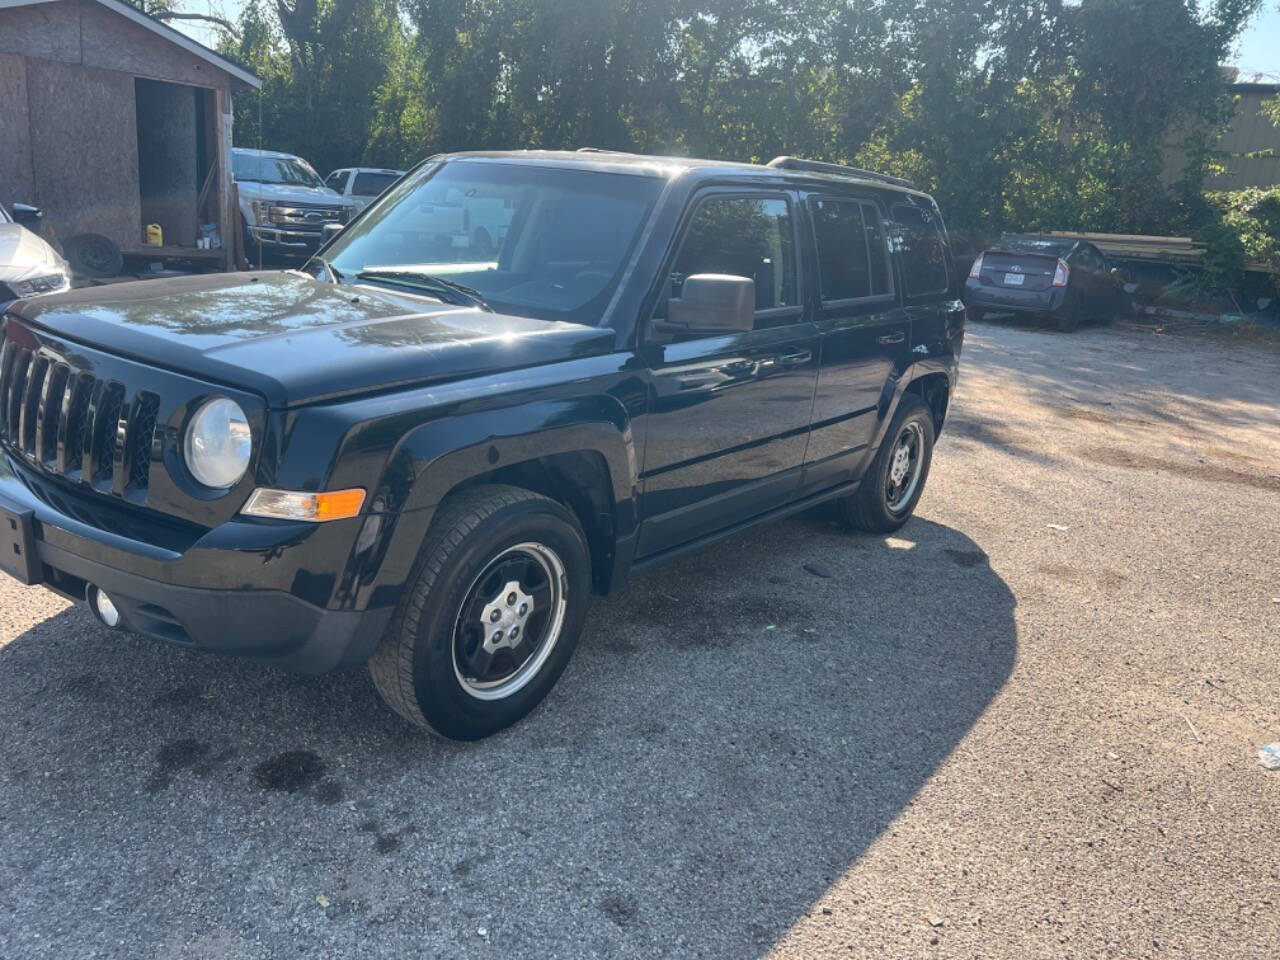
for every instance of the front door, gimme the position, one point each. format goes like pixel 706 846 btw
pixel 728 415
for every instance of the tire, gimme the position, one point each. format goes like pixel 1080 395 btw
pixel 428 667
pixel 977 316
pixel 93 255
pixel 874 507
pixel 1069 320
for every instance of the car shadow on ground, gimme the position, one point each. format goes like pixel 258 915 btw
pixel 734 732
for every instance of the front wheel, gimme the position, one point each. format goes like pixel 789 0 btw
pixel 491 615
pixel 893 483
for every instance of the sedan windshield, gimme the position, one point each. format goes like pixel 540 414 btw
pixel 286 170
pixel 527 239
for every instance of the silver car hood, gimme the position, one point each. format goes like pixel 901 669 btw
pixel 23 254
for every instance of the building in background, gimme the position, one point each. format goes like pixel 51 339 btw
pixel 1250 149
pixel 111 121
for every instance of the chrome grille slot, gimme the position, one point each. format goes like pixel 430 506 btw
pixel 50 414
pixel 36 373
pixel 106 433
pixel 142 438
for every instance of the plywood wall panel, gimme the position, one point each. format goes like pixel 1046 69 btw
pixel 17 179
pixel 85 148
pixel 112 42
pixel 50 31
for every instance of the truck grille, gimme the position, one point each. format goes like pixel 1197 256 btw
pixel 306 215
pixel 71 423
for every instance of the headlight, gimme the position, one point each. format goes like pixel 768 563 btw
pixel 34 286
pixel 218 444
pixel 261 211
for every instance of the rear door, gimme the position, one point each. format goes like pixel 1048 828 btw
pixel 728 415
pixel 865 334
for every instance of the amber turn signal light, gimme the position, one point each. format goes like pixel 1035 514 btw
pixel 311 507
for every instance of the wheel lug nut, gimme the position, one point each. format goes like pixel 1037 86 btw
pixel 511 599
pixel 497 635
pixel 515 632
pixel 524 608
pixel 494 617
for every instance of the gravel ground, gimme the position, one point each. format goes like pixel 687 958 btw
pixel 1027 725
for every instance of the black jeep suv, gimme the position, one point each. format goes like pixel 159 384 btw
pixel 427 456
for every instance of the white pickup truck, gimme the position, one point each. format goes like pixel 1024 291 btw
pixel 284 202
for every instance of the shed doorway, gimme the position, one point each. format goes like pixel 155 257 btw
pixel 175 157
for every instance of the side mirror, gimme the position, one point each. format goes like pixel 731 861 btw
pixel 331 230
pixel 713 303
pixel 27 215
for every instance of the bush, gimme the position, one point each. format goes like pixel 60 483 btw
pixel 1242 228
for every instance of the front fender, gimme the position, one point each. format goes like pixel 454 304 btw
pixel 437 457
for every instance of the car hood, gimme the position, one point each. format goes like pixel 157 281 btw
pixel 298 340
pixel 286 193
pixel 24 254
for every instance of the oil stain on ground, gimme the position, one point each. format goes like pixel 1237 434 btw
pixel 384 843
pixel 1113 457
pixel 290 772
pixel 173 757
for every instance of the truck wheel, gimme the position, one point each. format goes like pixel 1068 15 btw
pixel 490 616
pixel 893 483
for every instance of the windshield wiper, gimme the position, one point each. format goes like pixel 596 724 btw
pixel 450 291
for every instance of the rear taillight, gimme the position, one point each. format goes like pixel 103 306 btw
pixel 1061 275
pixel 976 270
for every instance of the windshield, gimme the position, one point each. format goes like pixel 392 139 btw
pixel 287 170
pixel 538 241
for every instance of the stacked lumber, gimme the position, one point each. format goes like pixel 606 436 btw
pixel 1137 247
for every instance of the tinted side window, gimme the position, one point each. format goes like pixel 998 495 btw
pixel 744 237
pixel 372 184
pixel 852 257
pixel 922 250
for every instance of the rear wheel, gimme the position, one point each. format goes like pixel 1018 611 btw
pixel 491 615
pixel 895 480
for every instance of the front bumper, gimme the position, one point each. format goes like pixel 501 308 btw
pixel 246 589
pixel 1012 300
pixel 286 240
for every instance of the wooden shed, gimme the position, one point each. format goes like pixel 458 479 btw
pixel 110 121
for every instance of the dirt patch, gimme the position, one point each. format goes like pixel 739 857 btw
pixel 1111 457
pixel 1060 571
pixel 1098 416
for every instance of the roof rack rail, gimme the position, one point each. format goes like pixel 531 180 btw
pixel 596 150
pixel 817 166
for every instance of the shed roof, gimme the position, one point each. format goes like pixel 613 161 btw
pixel 162 29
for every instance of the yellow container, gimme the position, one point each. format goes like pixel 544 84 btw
pixel 155 236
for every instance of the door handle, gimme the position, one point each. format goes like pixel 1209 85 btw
pixel 891 338
pixel 796 359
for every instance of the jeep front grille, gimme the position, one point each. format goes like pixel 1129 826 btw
pixel 71 423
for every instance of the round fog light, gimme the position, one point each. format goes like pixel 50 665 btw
pixel 105 608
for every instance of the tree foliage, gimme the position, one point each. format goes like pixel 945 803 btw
pixel 1097 114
